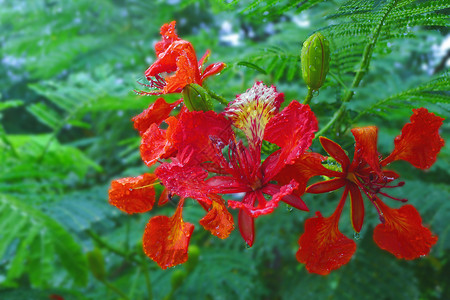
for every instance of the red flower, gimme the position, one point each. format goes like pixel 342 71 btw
pixel 212 147
pixel 401 231
pixel 177 56
pixel 166 240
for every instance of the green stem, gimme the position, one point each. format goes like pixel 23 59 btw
pixel 115 290
pixel 219 98
pixel 104 244
pixel 309 96
pixel 364 66
pixel 148 283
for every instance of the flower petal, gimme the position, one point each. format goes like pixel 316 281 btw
pixel 166 62
pixel 366 147
pixel 246 227
pixel 326 186
pixel 133 194
pixel 402 233
pixel 157 143
pixel 168 36
pixel 335 151
pixel 184 180
pixel 322 247
pixel 212 69
pixel 419 143
pixel 302 169
pixel 166 240
pixel 185 74
pixel 195 132
pixel 292 130
pixel 357 207
pixel 218 220
pixel 252 110
pixel 264 207
pixel 155 113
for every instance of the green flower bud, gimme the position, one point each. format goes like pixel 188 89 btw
pixel 196 98
pixel 315 60
pixel 194 253
pixel 177 278
pixel 96 264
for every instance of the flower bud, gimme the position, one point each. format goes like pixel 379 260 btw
pixel 315 59
pixel 177 278
pixel 96 264
pixel 194 253
pixel 196 98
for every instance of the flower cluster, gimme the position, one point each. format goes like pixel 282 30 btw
pixel 199 154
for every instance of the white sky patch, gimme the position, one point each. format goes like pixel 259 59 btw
pixel 301 20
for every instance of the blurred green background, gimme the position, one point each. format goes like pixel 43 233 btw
pixel 68 70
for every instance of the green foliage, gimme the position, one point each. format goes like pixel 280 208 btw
pixel 31 241
pixel 66 84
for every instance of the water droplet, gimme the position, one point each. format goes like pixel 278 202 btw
pixel 247 246
pixel 356 235
pixel 289 208
pixel 316 93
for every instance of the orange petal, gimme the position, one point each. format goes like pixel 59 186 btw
pixel 133 194
pixel 357 207
pixel 419 143
pixel 168 36
pixel 155 113
pixel 185 74
pixel 218 220
pixel 166 240
pixel 335 151
pixel 305 167
pixel 402 233
pixel 323 247
pixel 157 143
pixel 366 147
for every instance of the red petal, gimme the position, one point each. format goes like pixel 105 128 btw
pixel 155 113
pixel 366 147
pixel 203 60
pixel 295 201
pixel 185 74
pixel 335 151
pixel 419 143
pixel 264 207
pixel 133 194
pixel 218 220
pixel 168 35
pixel 357 207
pixel 326 186
pixel 166 240
pixel 164 197
pixel 293 130
pixel 195 130
pixel 184 180
pixel 323 247
pixel 246 227
pixel 212 70
pixel 179 55
pixel 306 166
pixel 403 234
pixel 157 143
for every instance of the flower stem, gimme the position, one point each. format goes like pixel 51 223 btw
pixel 104 244
pixel 363 68
pixel 219 98
pixel 148 283
pixel 115 290
pixel 309 96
